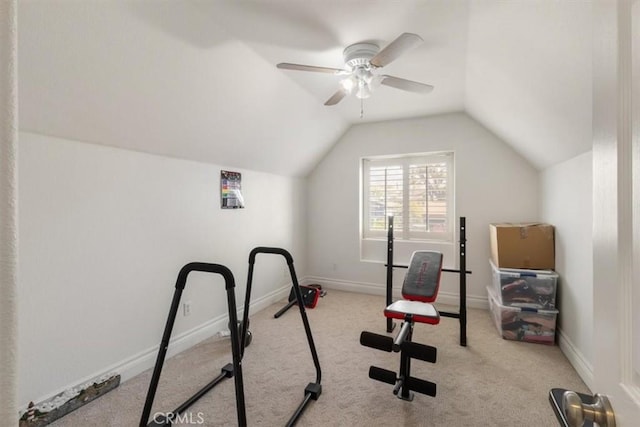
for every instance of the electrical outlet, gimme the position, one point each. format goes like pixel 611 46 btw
pixel 186 308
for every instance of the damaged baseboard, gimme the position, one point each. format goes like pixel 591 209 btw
pixel 46 412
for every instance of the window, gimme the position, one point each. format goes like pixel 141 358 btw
pixel 416 189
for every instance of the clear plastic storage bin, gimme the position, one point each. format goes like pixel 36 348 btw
pixel 523 323
pixel 525 288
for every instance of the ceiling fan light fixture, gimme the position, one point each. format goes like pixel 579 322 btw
pixel 364 89
pixel 360 83
pixel 349 84
pixel 361 60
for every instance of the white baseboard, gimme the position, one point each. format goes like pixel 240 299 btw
pixel 140 362
pixel 448 298
pixel 146 359
pixel 347 286
pixel 576 359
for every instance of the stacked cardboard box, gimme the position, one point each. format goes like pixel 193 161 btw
pixel 524 245
pixel 523 296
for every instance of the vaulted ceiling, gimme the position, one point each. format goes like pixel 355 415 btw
pixel 197 79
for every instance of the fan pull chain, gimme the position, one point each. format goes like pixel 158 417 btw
pixel 361 108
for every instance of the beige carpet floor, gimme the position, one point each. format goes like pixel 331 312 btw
pixel 491 382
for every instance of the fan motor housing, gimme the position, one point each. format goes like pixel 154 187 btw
pixel 359 54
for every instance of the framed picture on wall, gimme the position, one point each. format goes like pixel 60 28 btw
pixel 231 190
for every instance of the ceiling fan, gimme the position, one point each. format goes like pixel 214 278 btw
pixel 361 62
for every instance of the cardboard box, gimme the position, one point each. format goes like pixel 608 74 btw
pixel 523 245
pixel 525 288
pixel 523 324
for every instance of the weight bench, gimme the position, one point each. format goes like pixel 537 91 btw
pixel 419 289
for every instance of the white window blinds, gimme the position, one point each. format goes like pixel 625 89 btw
pixel 417 190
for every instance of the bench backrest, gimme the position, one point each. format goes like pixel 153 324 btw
pixel 422 281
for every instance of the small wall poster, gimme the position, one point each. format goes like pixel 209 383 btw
pixel 230 190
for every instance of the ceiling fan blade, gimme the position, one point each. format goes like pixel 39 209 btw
pixel 396 48
pixel 407 85
pixel 336 97
pixel 299 67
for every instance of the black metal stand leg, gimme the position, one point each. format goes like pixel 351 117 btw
pixel 405 369
pixel 162 352
pixel 463 281
pixel 229 370
pixel 389 290
pixel 284 309
pixel 294 418
pixel 313 390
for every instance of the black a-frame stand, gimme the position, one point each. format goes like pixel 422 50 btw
pixel 313 390
pixel 239 340
pixel 230 370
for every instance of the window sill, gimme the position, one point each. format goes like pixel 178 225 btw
pixel 375 250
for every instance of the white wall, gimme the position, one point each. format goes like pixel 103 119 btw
pixel 8 209
pixel 104 232
pixel 493 184
pixel 566 202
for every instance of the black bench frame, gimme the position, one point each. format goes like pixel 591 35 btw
pixel 462 274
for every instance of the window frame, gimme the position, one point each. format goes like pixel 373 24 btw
pixel 405 161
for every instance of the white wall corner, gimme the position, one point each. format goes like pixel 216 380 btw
pixel 576 359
